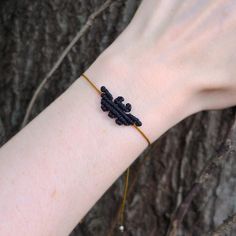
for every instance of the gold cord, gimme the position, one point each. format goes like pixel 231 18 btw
pixel 142 133
pixel 91 83
pixel 122 207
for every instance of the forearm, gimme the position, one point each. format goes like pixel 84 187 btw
pixel 61 163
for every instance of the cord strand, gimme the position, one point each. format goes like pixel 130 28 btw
pixel 127 173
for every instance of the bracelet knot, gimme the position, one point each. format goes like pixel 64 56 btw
pixel 117 109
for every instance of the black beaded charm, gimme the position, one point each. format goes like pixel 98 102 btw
pixel 116 109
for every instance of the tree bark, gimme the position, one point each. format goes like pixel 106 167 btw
pixel 32 36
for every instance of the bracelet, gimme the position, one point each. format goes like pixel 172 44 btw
pixel 116 109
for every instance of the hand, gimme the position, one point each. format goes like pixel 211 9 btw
pixel 193 39
pixel 179 57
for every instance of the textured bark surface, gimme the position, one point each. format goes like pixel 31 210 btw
pixel 32 36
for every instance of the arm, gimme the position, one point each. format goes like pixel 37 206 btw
pixel 60 164
pixel 55 169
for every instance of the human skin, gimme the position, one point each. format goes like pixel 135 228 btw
pixel 174 59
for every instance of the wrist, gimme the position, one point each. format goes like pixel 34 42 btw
pixel 158 98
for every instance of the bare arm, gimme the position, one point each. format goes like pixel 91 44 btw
pixel 55 169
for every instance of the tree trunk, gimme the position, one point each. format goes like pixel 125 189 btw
pixel 32 36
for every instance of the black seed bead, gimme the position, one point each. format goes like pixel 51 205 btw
pixel 103 89
pixel 128 107
pixel 120 99
pixel 138 123
pixel 110 114
pixel 104 108
pixel 121 118
pixel 118 122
